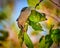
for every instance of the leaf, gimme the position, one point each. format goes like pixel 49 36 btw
pixel 35 26
pixel 45 42
pixel 21 38
pixel 42 43
pixel 27 41
pixel 48 41
pixel 55 35
pixel 32 3
pixel 2 16
pixel 3 35
pixel 36 16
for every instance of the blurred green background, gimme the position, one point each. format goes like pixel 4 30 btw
pixel 9 12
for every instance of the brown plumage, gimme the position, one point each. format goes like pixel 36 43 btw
pixel 25 12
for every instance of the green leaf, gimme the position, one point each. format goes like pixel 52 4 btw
pixel 2 16
pixel 27 41
pixel 32 3
pixel 41 38
pixel 55 35
pixel 35 26
pixel 21 38
pixel 48 41
pixel 42 43
pixel 20 34
pixel 45 42
pixel 3 35
pixel 36 16
pixel 46 3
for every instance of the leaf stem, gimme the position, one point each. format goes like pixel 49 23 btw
pixel 38 3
